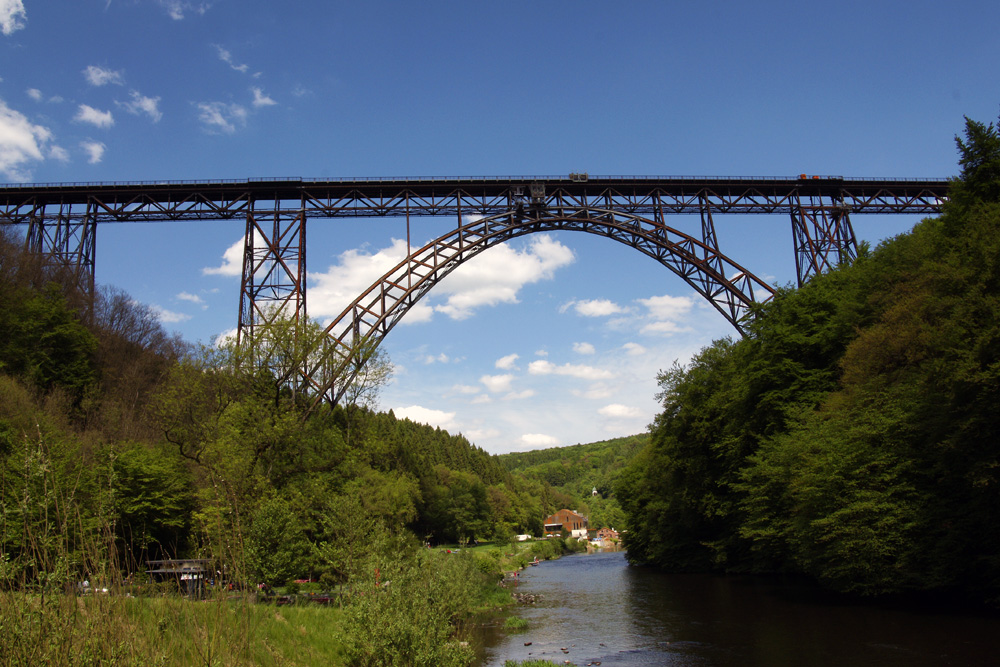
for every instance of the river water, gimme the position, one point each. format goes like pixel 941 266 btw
pixel 596 609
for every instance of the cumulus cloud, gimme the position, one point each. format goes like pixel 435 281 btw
pixel 140 104
pixel 668 307
pixel 506 363
pixel 21 143
pixel 94 150
pixel 88 114
pixel 354 271
pixel 497 275
pixel 12 16
pixel 59 153
pixel 545 367
pixel 619 411
pixel 497 383
pixel 593 307
pixel 260 99
pixel 537 440
pixel 221 117
pixel 583 348
pixel 422 415
pixel 633 349
pixel 169 317
pixel 99 76
pixel 232 262
pixel 193 298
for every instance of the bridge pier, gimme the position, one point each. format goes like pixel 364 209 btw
pixel 823 236
pixel 67 243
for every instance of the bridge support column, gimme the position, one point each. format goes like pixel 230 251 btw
pixel 823 236
pixel 274 268
pixel 67 244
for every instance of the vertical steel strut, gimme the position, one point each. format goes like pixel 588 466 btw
pixel 823 236
pixel 68 245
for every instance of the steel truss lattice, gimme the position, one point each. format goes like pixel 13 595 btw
pixel 61 221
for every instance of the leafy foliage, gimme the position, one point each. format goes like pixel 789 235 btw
pixel 851 436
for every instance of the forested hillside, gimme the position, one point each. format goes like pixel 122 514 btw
pixel 853 434
pixel 574 472
pixel 108 426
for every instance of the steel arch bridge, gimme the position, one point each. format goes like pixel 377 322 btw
pixel 61 225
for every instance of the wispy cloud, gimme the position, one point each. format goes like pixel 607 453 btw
pixel 545 367
pixel 168 316
pixel 583 348
pixel 99 76
pixel 177 8
pixel 88 114
pixel 59 153
pixel 12 16
pixel 221 117
pixel 140 104
pixel 537 440
pixel 227 57
pixel 21 143
pixel 94 150
pixel 497 383
pixel 260 99
pixel 617 410
pixel 34 93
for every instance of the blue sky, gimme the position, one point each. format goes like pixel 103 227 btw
pixel 554 339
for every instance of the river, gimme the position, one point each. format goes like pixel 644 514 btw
pixel 596 609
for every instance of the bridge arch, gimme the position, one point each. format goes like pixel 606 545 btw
pixel 350 339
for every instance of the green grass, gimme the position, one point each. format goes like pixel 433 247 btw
pixel 515 624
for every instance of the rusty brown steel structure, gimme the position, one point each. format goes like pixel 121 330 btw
pixel 62 219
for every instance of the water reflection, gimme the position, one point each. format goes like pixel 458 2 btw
pixel 595 608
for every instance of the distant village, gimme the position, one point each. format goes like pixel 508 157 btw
pixel 572 524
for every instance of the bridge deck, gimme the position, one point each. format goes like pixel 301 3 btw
pixel 213 200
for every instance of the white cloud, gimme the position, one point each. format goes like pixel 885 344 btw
pixel 596 391
pixel 99 76
pixel 353 273
pixel 506 363
pixel 476 435
pixel 88 114
pixel 21 142
pixel 583 348
pixel 219 116
pixel 543 367
pixel 538 440
pixel 633 349
pixel 193 298
pixel 169 317
pixel 668 307
pixel 465 389
pixel 12 16
pixel 617 410
pixel 662 328
pixel 439 359
pixel 176 8
pixel 498 274
pixel 497 383
pixel 34 93
pixel 232 262
pixel 593 307
pixel 59 153
pixel 519 395
pixel 422 415
pixel 226 57
pixel 141 104
pixel 260 99
pixel 94 149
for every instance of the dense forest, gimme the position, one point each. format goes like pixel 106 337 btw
pixel 852 436
pixel 105 420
